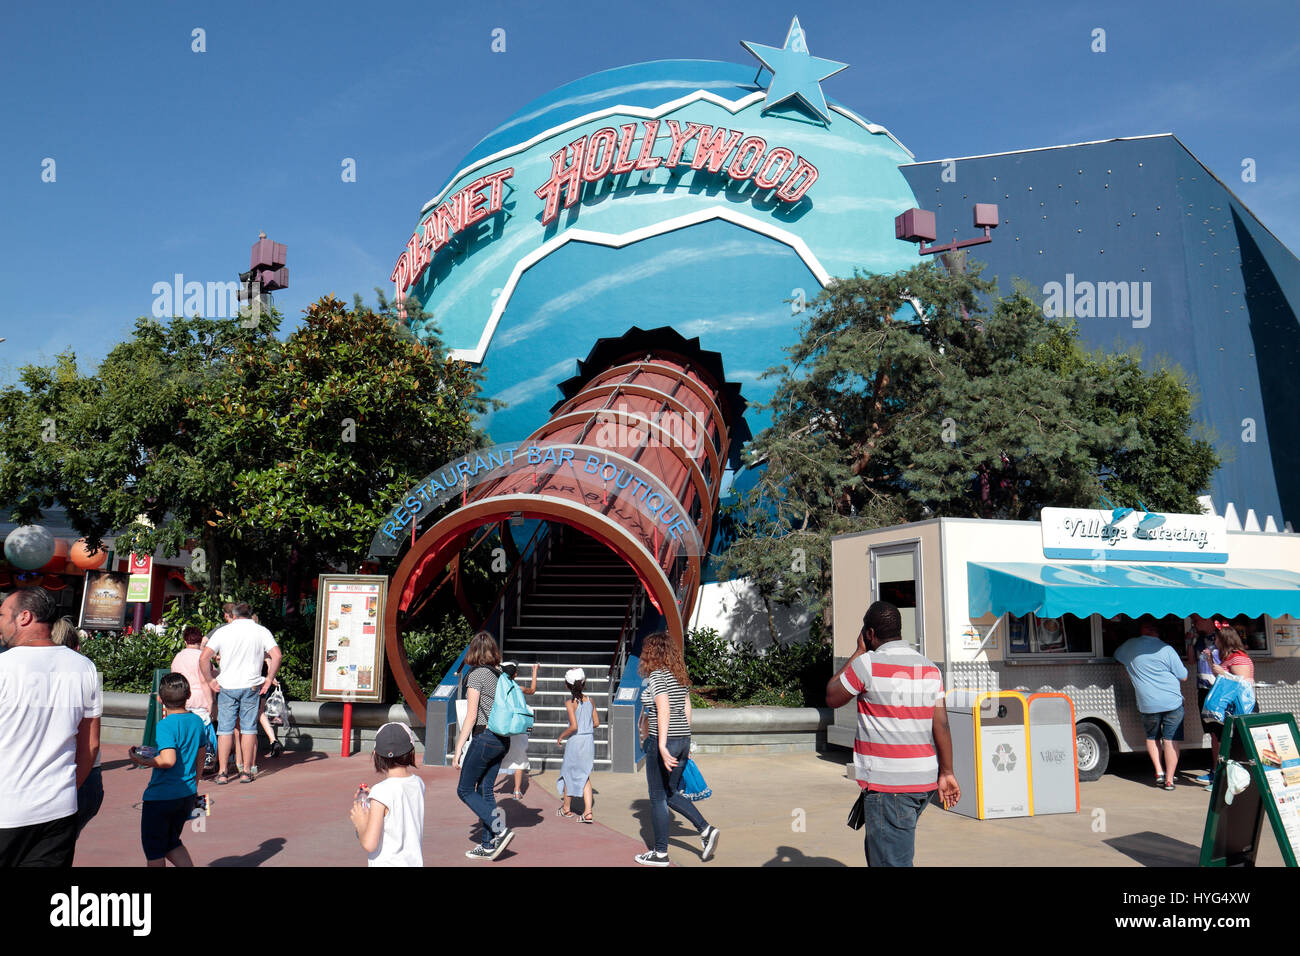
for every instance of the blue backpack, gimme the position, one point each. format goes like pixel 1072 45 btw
pixel 510 713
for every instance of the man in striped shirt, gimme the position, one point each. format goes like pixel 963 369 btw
pixel 903 751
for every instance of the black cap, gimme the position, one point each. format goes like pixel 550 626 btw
pixel 394 740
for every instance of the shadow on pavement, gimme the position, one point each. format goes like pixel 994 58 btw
pixel 789 856
pixel 268 849
pixel 1156 849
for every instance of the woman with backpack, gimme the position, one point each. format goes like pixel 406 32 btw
pixel 480 761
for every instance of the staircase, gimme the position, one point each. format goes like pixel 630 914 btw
pixel 571 617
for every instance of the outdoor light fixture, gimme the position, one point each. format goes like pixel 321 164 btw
pixel 1117 513
pixel 1150 520
pixel 266 269
pixel 917 225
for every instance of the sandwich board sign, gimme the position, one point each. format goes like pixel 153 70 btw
pixel 1268 748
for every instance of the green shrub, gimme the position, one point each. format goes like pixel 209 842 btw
pixel 784 675
pixel 431 651
pixel 127 661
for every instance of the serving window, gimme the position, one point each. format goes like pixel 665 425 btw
pixel 1066 636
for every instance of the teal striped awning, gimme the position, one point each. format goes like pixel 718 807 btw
pixel 1050 590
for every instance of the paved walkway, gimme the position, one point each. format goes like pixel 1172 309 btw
pixel 774 810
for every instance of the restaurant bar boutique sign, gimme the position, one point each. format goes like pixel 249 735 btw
pixel 1083 533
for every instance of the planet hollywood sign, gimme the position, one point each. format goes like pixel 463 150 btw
pixel 610 152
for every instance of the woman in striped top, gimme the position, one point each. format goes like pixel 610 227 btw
pixel 666 741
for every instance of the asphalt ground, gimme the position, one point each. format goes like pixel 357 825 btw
pixel 773 810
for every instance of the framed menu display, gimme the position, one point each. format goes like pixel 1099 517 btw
pixel 1265 745
pixel 103 602
pixel 349 659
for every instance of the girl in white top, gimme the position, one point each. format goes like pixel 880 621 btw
pixel 389 818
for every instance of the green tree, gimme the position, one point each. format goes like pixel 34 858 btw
pixel 977 407
pixel 124 449
pixel 279 457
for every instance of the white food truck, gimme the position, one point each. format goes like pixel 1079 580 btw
pixel 1042 606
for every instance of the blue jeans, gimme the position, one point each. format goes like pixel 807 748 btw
pixel 478 775
pixel 242 703
pixel 665 789
pixel 890 825
pixel 90 797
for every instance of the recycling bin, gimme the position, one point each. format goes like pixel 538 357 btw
pixel 1053 759
pixel 990 753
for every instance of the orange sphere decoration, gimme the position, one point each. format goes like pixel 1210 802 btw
pixel 82 558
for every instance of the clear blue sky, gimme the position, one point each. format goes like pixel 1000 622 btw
pixel 171 161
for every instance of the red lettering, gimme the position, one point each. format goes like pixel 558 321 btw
pixel 621 164
pixel 767 178
pixel 644 160
pixel 473 199
pixel 496 181
pixel 794 189
pixel 600 154
pixel 714 147
pixel 755 146
pixel 562 176
pixel 680 139
pixel 449 219
pixel 399 275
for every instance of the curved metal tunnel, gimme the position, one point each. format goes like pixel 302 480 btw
pixel 632 456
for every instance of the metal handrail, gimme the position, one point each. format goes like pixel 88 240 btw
pixel 631 618
pixel 527 559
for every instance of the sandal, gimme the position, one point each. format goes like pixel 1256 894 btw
pixel 587 818
pixel 222 779
pixel 245 777
pixel 518 795
pixel 567 814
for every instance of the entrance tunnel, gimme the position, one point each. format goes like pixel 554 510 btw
pixel 620 487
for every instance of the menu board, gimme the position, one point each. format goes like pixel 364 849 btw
pixel 1264 745
pixel 1280 761
pixel 103 603
pixel 349 659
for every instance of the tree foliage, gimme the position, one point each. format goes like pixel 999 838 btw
pixel 978 407
pixel 278 457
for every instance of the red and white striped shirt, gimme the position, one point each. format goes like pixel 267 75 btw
pixel 897 689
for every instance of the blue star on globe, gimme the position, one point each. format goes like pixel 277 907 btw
pixel 796 74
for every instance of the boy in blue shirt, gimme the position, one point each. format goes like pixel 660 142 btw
pixel 169 798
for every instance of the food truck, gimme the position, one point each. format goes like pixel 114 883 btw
pixel 1042 606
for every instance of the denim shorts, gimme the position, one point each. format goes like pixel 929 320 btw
pixel 889 820
pixel 1166 726
pixel 243 702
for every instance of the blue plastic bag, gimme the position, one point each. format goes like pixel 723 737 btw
pixel 1229 695
pixel 693 785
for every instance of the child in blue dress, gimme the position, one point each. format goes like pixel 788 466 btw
pixel 580 753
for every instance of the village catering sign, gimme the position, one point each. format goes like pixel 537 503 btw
pixel 628 149
pixel 1094 534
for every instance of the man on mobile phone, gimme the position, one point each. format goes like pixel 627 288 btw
pixel 903 751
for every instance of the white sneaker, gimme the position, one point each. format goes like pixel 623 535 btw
pixel 709 840
pixel 651 858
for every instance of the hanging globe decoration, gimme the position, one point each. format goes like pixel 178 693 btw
pixel 80 556
pixel 29 547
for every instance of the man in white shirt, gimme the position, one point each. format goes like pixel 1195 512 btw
pixel 50 706
pixel 241 646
